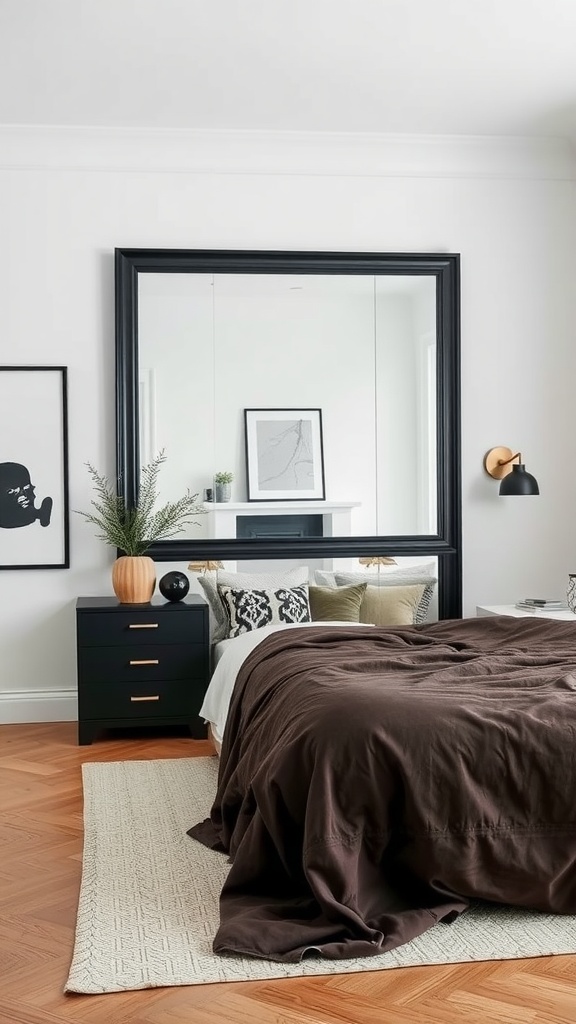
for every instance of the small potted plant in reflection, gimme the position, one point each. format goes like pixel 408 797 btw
pixel 222 488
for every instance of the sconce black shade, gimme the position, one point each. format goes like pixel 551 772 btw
pixel 519 482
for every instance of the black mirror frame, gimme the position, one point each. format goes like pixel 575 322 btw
pixel 446 543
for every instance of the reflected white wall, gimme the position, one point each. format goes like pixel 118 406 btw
pixel 215 345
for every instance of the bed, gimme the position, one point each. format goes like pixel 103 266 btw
pixel 374 781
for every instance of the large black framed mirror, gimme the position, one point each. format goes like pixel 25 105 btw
pixel 371 340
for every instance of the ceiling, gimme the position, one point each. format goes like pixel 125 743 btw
pixel 472 67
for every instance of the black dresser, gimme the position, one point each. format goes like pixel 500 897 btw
pixel 141 664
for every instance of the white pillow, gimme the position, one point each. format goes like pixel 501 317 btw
pixel 209 581
pixel 394 575
pixel 251 609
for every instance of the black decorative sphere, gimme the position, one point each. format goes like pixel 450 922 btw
pixel 174 586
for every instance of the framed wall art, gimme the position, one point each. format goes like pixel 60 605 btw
pixel 34 514
pixel 284 454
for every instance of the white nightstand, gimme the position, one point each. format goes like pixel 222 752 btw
pixel 510 609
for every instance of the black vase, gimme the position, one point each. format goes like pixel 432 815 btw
pixel 174 586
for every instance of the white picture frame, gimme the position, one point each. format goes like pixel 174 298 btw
pixel 34 513
pixel 284 454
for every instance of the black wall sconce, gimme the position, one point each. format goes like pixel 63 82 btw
pixel 500 463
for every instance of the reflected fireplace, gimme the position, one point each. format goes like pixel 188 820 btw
pixel 271 519
pixel 281 526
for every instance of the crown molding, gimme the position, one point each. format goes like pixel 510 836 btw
pixel 55 148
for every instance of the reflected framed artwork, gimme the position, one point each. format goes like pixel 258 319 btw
pixel 284 454
pixel 34 530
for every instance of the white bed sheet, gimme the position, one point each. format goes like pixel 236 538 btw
pixel 228 658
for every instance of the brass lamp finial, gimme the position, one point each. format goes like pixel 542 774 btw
pixel 371 560
pixel 207 566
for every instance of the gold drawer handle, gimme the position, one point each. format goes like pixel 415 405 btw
pixel 156 697
pixel 145 661
pixel 143 625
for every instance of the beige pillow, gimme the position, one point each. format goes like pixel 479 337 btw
pixel 390 606
pixel 336 604
pixel 396 579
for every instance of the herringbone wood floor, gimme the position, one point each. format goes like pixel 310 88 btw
pixel 40 864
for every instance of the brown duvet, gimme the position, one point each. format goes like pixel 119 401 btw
pixel 373 781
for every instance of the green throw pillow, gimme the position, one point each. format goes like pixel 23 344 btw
pixel 336 604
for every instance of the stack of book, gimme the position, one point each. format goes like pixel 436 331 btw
pixel 541 604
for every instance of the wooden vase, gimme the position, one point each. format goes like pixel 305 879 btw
pixel 134 579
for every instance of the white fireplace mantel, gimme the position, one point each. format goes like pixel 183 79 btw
pixel 336 515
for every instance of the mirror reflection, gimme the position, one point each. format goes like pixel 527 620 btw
pixel 360 348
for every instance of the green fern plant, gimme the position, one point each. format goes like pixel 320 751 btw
pixel 133 530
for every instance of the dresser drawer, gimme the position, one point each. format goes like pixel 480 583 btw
pixel 125 664
pixel 164 698
pixel 141 664
pixel 140 627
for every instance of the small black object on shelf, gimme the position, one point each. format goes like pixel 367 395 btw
pixel 174 586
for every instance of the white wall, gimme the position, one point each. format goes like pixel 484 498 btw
pixel 67 198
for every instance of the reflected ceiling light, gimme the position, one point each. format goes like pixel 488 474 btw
pixel 500 464
pixel 205 566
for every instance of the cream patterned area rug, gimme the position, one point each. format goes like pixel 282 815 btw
pixel 148 906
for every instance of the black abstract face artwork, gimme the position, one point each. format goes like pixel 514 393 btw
pixel 17 498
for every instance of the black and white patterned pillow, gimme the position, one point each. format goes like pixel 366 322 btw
pixel 250 609
pixel 210 581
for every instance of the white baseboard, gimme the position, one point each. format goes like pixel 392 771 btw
pixel 26 706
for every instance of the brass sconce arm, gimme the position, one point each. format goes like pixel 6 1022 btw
pixel 498 462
